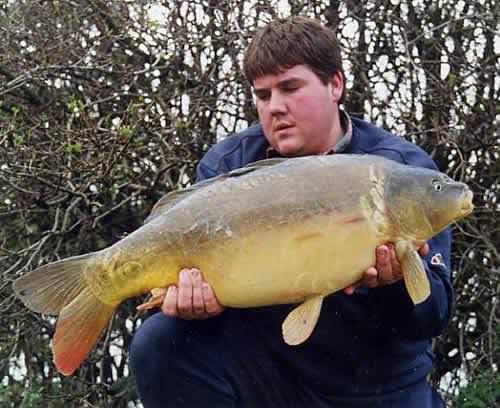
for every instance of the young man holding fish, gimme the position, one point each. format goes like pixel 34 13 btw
pixel 372 346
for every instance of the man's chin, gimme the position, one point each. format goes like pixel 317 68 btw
pixel 290 152
pixel 288 149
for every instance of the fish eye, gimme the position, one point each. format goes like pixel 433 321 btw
pixel 437 185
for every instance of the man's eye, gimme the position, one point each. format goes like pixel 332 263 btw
pixel 262 95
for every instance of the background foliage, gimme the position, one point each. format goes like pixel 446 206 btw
pixel 107 105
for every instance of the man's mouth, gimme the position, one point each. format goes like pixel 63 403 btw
pixel 282 127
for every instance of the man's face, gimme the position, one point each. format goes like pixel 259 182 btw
pixel 299 113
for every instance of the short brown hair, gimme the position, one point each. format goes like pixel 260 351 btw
pixel 286 42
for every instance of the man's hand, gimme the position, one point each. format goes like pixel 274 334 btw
pixel 387 269
pixel 192 299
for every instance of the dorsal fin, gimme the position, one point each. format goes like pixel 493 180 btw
pixel 169 200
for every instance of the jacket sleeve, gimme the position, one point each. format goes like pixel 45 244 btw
pixel 204 172
pixel 212 164
pixel 429 318
pixel 220 158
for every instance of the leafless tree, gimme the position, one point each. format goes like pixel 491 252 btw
pixel 107 105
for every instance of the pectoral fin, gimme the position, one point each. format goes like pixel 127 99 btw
pixel 156 299
pixel 415 277
pixel 301 321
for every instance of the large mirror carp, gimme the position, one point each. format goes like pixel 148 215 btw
pixel 274 232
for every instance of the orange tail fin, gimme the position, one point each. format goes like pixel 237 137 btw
pixel 78 329
pixel 60 288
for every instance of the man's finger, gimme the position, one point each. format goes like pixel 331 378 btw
pixel 383 264
pixel 212 306
pixel 424 249
pixel 395 265
pixel 169 306
pixel 185 297
pixel 198 305
pixel 371 277
pixel 350 289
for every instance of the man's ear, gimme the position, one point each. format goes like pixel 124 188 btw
pixel 337 86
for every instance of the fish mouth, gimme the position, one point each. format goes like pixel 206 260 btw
pixel 467 205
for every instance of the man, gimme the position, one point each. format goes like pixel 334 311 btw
pixel 371 347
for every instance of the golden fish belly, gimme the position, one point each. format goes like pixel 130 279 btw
pixel 259 265
pixel 287 263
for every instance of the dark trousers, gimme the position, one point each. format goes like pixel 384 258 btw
pixel 222 362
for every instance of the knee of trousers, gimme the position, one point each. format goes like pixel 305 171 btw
pixel 177 358
pixel 152 345
pixel 164 346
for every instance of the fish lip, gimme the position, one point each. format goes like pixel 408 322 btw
pixel 467 205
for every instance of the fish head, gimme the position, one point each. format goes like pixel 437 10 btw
pixel 423 202
pixel 448 201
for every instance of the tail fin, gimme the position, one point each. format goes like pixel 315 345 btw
pixel 51 287
pixel 60 288
pixel 78 329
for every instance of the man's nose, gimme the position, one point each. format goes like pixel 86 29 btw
pixel 277 103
